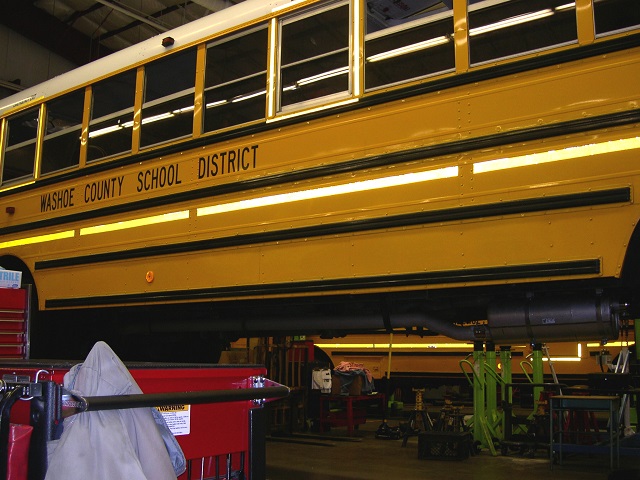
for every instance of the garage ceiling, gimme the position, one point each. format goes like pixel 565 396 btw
pixel 85 30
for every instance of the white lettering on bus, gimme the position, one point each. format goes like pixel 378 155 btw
pixel 103 190
pixel 158 178
pixel 57 200
pixel 230 161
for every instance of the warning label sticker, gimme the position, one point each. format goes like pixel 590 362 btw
pixel 178 418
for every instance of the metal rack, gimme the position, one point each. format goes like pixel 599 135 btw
pixel 562 409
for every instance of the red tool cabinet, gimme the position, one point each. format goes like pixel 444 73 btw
pixel 14 321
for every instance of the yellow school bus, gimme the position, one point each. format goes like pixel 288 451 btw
pixel 324 166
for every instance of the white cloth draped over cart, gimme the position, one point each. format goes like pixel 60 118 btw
pixel 111 444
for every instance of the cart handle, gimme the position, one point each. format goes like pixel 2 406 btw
pixel 522 365
pixel 466 374
pixel 73 403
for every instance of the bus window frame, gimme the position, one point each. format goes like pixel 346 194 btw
pixel 176 95
pixel 35 141
pixel 64 131
pixel 264 73
pixel 129 110
pixel 329 99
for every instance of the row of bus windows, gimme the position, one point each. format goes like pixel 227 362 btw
pixel 405 40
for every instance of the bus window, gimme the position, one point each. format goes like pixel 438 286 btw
pixel 314 55
pixel 167 112
pixel 408 43
pixel 61 145
pixel 111 116
pixel 20 151
pixel 608 18
pixel 499 30
pixel 235 80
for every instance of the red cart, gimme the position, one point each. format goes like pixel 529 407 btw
pixel 214 411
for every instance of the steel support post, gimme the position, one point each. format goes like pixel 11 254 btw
pixel 478 393
pixel 538 373
pixel 257 443
pixel 491 384
pixel 507 391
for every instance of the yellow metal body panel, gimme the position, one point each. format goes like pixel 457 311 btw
pixel 544 97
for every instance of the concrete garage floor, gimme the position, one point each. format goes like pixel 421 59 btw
pixel 337 457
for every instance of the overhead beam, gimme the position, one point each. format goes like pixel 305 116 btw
pixel 130 13
pixel 135 23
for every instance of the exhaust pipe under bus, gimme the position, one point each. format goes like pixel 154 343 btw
pixel 533 320
pixel 541 320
